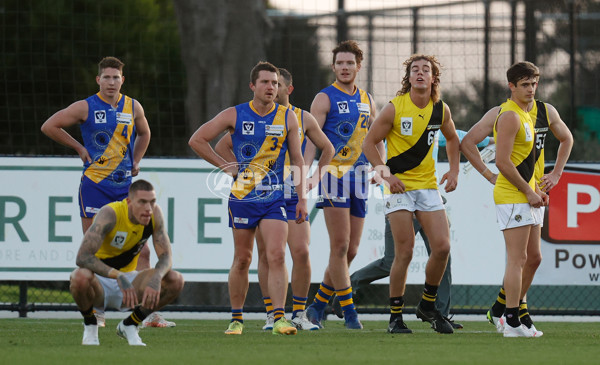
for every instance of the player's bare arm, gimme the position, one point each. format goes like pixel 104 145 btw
pixel 162 246
pixel 476 134
pixel 104 222
pixel 200 140
pixel 142 139
pixel 565 138
pixel 379 130
pixel 315 134
pixel 297 162
pixel 507 127
pixel 55 126
pixel 224 148
pixel 452 149
pixel 318 109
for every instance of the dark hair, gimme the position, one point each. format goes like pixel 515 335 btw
pixel 140 185
pixel 262 66
pixel 287 76
pixel 522 70
pixel 435 70
pixel 110 62
pixel 351 47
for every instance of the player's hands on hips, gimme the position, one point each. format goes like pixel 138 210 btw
pixel 84 155
pixel 534 199
pixel 135 169
pixel 129 295
pixel 151 295
pixel 549 181
pixel 395 185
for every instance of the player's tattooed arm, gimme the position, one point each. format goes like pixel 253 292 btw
pixel 103 223
pixel 162 244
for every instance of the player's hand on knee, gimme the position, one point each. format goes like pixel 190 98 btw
pixel 128 290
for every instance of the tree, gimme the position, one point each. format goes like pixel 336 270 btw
pixel 220 43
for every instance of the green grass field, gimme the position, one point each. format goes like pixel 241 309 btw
pixel 57 341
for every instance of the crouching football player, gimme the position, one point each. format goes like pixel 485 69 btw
pixel 107 258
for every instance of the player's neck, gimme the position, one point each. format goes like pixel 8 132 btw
pixel 261 108
pixel 420 97
pixel 111 100
pixel 348 87
pixel 523 105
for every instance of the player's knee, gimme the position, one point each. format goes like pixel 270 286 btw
pixel 80 279
pixel 174 281
pixel 352 252
pixel 534 261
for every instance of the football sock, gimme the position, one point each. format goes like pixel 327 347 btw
pixel 322 297
pixel 268 304
pixel 524 314
pixel 88 316
pixel 500 304
pixel 299 305
pixel 136 317
pixel 237 315
pixel 428 298
pixel 512 317
pixel 396 306
pixel 346 302
pixel 279 313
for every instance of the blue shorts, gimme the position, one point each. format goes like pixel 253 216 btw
pixel 344 193
pixel 290 208
pixel 245 214
pixel 92 196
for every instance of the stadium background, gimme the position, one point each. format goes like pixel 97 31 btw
pixel 183 72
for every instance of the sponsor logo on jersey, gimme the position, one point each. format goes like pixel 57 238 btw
pixel 274 130
pixel 125 118
pixel 364 108
pixel 92 210
pixel 248 128
pixel 100 116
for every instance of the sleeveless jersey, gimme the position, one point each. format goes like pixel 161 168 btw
pixel 108 135
pixel 410 142
pixel 122 246
pixel 539 116
pixel 346 126
pixel 522 156
pixel 287 173
pixel 260 146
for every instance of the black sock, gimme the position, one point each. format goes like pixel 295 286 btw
pixel 524 314
pixel 88 316
pixel 429 296
pixel 512 317
pixel 500 304
pixel 396 306
pixel 136 317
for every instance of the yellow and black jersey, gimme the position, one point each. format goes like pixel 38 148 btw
pixel 522 156
pixel 410 142
pixel 123 244
pixel 540 117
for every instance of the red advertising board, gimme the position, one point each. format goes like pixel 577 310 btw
pixel 573 215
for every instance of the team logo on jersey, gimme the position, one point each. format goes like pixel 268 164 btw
pixel 100 116
pixel 119 240
pixel 406 126
pixel 343 107
pixel 274 130
pixel 125 118
pixel 528 134
pixel 248 128
pixel 518 217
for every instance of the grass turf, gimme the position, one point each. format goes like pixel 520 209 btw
pixel 57 341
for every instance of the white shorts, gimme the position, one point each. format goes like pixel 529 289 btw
pixel 515 215
pixel 424 200
pixel 113 298
pixel 538 215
